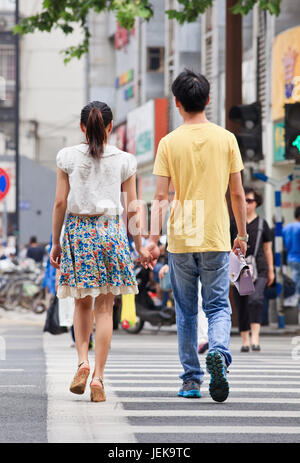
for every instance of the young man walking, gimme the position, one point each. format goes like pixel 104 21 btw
pixel 202 160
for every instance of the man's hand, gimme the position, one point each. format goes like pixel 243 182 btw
pixel 55 256
pixel 239 245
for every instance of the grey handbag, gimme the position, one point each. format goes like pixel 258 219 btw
pixel 239 274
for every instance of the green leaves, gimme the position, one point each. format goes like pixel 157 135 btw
pixel 128 10
pixel 244 6
pixel 191 9
pixel 64 14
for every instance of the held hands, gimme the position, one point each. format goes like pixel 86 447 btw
pixel 146 258
pixel 149 255
pixel 239 245
pixel 55 256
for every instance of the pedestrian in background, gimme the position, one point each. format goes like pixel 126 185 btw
pixel 250 308
pixel 35 251
pixel 202 159
pixel 291 237
pixel 94 260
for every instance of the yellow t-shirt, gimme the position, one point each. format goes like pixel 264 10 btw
pixel 199 159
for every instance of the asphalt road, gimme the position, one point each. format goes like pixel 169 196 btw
pixel 141 382
pixel 23 409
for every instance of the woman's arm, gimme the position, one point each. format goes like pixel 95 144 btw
pixel 133 214
pixel 58 216
pixel 267 247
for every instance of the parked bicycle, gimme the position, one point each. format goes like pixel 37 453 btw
pixel 21 286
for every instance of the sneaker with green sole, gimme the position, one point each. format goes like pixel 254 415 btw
pixel 190 390
pixel 216 367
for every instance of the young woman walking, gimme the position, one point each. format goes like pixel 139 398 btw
pixel 250 308
pixel 94 260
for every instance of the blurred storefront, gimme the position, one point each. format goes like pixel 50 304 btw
pixel 146 125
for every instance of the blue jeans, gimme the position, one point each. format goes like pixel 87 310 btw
pixel 213 270
pixel 295 270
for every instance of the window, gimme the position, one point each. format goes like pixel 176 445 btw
pixel 155 59
pixel 7 64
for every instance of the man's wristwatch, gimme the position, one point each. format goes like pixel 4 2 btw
pixel 243 238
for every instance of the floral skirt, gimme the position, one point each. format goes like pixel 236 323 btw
pixel 95 258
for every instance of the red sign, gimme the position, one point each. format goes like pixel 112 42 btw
pixel 4 184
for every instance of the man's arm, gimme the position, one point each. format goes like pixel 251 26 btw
pixel 159 207
pixel 238 203
pixel 158 212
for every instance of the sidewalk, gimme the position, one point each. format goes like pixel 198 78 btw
pixel 273 330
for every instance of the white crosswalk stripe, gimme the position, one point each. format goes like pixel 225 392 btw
pixel 264 400
pixel 141 381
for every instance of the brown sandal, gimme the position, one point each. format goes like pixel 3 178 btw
pixel 80 379
pixel 97 390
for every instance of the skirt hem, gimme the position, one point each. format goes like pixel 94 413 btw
pixel 64 291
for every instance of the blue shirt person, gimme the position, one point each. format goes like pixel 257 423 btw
pixel 291 238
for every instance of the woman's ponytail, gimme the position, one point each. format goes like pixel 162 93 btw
pixel 96 116
pixel 95 133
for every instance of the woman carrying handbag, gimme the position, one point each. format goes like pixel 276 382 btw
pixel 259 257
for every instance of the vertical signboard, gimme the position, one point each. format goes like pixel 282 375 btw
pixel 140 132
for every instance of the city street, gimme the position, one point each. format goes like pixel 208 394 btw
pixel 141 382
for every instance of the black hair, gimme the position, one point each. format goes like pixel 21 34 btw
pixel 297 212
pixel 257 196
pixel 191 90
pixel 96 116
pixel 33 239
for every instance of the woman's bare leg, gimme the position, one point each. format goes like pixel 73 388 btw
pixel 255 330
pixel 245 338
pixel 82 327
pixel 104 329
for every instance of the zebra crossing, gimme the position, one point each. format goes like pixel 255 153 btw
pixel 263 405
pixel 141 381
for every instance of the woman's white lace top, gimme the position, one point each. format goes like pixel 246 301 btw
pixel 95 184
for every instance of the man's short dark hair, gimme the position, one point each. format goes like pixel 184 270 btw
pixel 191 90
pixel 33 239
pixel 297 212
pixel 257 196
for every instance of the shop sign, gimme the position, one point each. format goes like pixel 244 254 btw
pixel 140 132
pixel 286 71
pixel 124 78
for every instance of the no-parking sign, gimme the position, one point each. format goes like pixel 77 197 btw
pixel 4 183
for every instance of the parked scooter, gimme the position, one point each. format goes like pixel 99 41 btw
pixel 147 309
